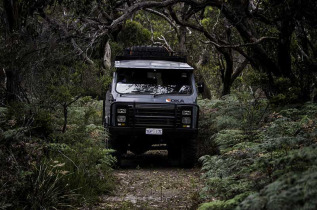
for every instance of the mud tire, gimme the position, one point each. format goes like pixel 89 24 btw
pixel 188 153
pixel 120 146
pixel 174 152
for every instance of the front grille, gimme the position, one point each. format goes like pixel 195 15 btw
pixel 153 115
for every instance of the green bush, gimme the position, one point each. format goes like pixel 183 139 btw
pixel 266 147
pixel 224 205
pixel 134 33
pixel 291 191
pixel 48 188
pixel 42 168
pixel 83 150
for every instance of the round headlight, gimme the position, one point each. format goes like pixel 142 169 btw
pixel 186 120
pixel 121 118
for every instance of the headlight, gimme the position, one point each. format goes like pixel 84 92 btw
pixel 186 120
pixel 121 111
pixel 186 112
pixel 121 118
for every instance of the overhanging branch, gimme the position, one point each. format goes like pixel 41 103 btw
pixel 256 42
pixel 164 17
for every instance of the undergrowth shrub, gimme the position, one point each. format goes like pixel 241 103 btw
pixel 259 156
pixel 86 161
pixel 48 188
pixel 83 151
pixel 291 191
pixel 42 168
pixel 18 154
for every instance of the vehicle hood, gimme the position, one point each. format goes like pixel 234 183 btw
pixel 178 99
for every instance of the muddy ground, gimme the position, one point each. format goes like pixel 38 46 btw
pixel 148 182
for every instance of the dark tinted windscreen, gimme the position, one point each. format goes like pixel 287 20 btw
pixel 149 81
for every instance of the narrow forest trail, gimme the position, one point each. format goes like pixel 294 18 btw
pixel 147 182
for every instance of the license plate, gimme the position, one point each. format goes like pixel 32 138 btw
pixel 154 131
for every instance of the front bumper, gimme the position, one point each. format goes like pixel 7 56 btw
pixel 154 115
pixel 167 132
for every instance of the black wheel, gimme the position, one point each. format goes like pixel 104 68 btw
pixel 174 152
pixel 120 146
pixel 188 153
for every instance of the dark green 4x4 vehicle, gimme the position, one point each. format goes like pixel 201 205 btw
pixel 151 102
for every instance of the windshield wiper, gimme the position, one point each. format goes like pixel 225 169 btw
pixel 139 91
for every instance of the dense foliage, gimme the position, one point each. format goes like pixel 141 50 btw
pixel 266 157
pixel 44 168
pixel 56 55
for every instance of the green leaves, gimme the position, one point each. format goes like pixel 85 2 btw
pixel 134 33
pixel 225 139
pixel 252 157
pixel 292 191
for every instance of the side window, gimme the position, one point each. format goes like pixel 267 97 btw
pixel 121 78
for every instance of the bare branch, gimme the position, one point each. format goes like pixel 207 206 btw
pixel 170 21
pixel 193 26
pixel 61 28
pixel 256 42
pixel 239 70
pixel 217 20
pixel 74 100
pixel 162 38
pixel 103 12
pixel 81 52
pixel 147 4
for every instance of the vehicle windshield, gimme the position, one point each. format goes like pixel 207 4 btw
pixel 152 81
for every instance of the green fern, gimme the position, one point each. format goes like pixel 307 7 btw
pixel 292 191
pixel 224 205
pixel 262 150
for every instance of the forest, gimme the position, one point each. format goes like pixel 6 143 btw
pixel 257 59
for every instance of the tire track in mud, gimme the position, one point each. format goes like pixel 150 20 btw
pixel 147 182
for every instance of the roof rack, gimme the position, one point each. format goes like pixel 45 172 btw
pixel 150 53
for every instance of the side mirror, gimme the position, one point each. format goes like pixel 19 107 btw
pixel 201 87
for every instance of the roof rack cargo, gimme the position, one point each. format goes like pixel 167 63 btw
pixel 149 53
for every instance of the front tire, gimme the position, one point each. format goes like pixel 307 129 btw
pixel 174 153
pixel 118 143
pixel 188 152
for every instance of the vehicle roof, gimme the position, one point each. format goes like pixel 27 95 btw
pixel 152 64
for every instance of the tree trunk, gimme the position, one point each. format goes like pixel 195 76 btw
pixel 12 84
pixel 12 15
pixel 228 73
pixel 183 32
pixel 65 110
pixel 203 60
pixel 245 27
pixel 284 48
pixel 107 56
pixel 182 40
pixel 206 94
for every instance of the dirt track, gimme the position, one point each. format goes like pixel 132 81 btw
pixel 148 182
